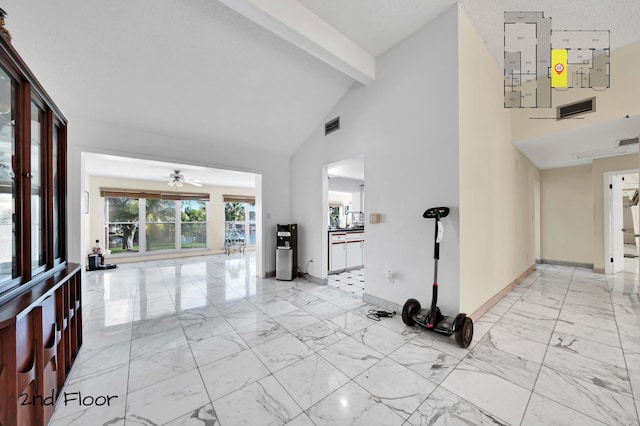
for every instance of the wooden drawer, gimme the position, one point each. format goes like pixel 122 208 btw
pixel 338 238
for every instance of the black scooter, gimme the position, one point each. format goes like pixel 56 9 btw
pixel 432 319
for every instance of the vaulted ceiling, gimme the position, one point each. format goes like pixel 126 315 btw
pixel 206 71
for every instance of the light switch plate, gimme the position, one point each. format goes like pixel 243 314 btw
pixel 374 218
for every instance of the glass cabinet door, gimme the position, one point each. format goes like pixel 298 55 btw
pixel 8 265
pixel 37 205
pixel 55 169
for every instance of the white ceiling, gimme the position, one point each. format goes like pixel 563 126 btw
pixel 601 140
pixel 377 25
pixel 187 68
pixel 352 168
pixel 132 168
pixel 198 70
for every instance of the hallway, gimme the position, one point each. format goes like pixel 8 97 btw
pixel 203 341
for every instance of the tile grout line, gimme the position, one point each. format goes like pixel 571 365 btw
pixel 439 385
pixel 190 350
pixel 126 394
pixel 574 278
pixel 198 366
pixel 269 370
pixel 316 353
pixel 542 363
pixel 624 357
pixel 548 343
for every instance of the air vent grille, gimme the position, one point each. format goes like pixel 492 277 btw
pixel 629 141
pixel 577 108
pixel 331 126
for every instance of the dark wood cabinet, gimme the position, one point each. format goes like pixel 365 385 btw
pixel 40 293
pixel 40 335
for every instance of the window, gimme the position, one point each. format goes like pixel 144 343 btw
pixel 122 225
pixel 171 221
pixel 194 224
pixel 161 224
pixel 240 218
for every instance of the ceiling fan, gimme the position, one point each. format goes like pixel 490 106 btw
pixel 176 179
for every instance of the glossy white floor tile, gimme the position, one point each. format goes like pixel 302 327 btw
pixel 203 341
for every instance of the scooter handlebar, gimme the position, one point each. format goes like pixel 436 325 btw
pixel 436 213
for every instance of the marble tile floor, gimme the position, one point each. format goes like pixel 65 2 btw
pixel 350 281
pixel 202 341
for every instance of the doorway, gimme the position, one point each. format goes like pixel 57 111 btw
pixel 141 209
pixel 622 244
pixel 345 229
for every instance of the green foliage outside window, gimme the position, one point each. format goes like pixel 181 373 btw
pixel 234 212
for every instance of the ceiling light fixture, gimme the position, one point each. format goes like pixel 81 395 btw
pixel 177 179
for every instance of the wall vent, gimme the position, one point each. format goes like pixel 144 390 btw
pixel 331 126
pixel 576 108
pixel 630 141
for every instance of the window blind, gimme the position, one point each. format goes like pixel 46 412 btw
pixel 133 193
pixel 239 199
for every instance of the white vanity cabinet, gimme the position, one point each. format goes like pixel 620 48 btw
pixel 337 251
pixel 346 250
pixel 355 249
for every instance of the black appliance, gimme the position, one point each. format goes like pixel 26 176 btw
pixel 286 251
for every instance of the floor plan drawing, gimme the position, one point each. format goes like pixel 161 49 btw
pixel 530 44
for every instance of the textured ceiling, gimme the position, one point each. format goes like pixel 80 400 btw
pixel 621 17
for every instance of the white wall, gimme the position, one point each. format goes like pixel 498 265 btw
pixel 96 137
pixel 567 214
pixel 406 125
pixel 600 167
pixel 497 182
pixel 573 210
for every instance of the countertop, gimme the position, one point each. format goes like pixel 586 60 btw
pixel 361 229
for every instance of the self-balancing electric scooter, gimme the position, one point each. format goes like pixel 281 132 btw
pixel 432 319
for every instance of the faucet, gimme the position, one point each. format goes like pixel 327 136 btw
pixel 346 218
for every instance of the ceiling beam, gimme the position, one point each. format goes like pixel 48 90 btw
pixel 301 27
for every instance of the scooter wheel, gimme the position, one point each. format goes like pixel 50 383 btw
pixel 464 332
pixel 411 306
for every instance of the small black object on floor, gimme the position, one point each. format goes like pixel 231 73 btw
pixel 376 315
pixel 96 263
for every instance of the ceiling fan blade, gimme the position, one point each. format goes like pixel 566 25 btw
pixel 192 182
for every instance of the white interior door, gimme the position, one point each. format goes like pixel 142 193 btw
pixel 636 227
pixel 615 225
